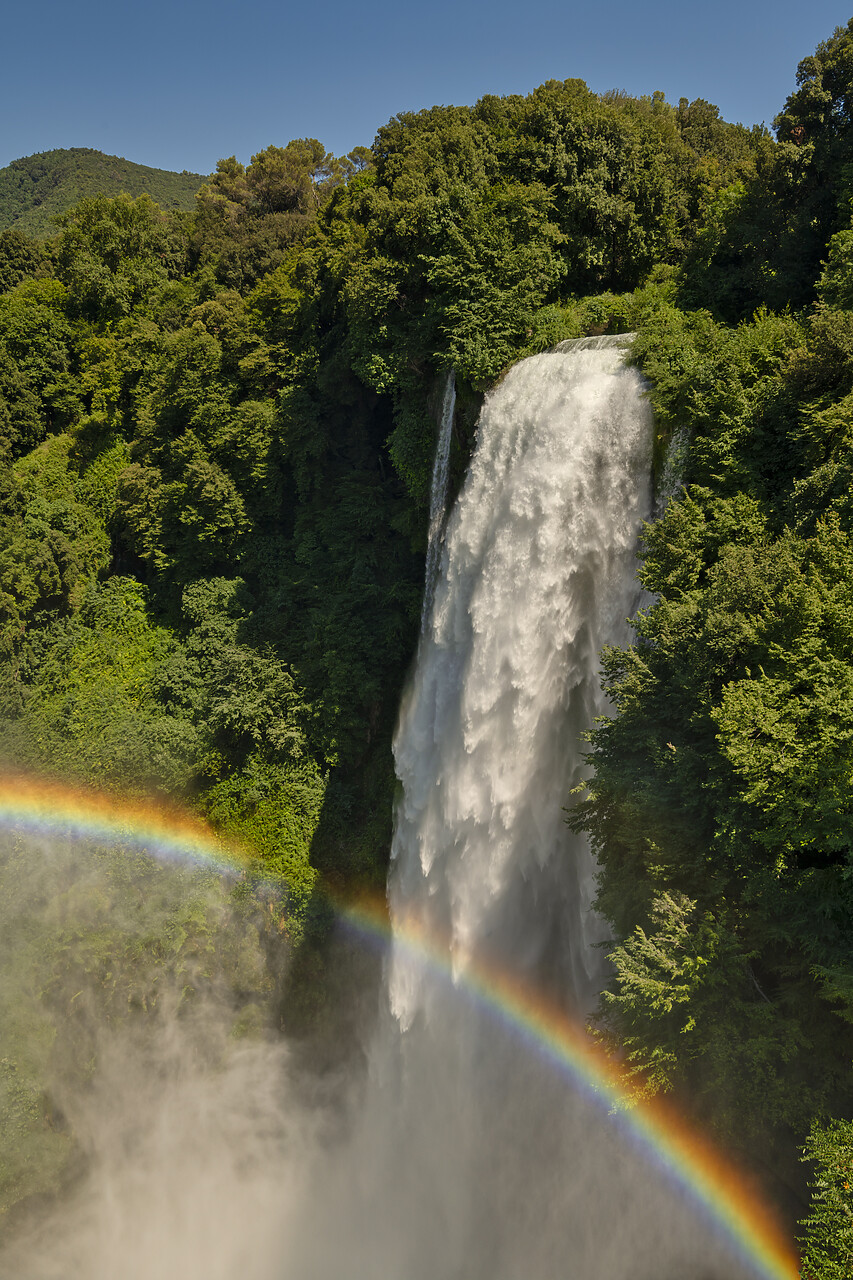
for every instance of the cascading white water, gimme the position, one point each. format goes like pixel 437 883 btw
pixel 537 574
pixel 438 492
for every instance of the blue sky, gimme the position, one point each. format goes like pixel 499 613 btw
pixel 177 85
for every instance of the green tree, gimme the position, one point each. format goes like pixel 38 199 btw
pixel 828 1238
pixel 114 251
pixel 720 807
pixel 248 217
pixel 39 385
pixel 20 259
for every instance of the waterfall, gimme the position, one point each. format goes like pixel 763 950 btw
pixel 438 493
pixel 538 575
pixel 470 1157
pixel 465 1150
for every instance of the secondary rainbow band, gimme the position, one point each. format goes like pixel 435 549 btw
pixel 686 1159
pixel 43 808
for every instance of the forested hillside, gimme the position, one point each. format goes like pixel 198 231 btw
pixel 36 189
pixel 217 432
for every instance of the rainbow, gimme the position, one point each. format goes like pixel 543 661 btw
pixel 40 808
pixel 686 1159
pixel 719 1192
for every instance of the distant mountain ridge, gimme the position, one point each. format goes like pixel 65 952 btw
pixel 35 189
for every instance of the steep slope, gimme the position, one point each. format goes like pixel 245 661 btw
pixel 35 189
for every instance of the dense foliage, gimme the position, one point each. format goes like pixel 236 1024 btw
pixel 35 190
pixel 828 1240
pixel 721 803
pixel 217 428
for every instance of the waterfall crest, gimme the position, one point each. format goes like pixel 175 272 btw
pixel 598 342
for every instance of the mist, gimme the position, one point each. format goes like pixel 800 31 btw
pixel 139 1015
pixel 147 1075
pixel 144 1082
